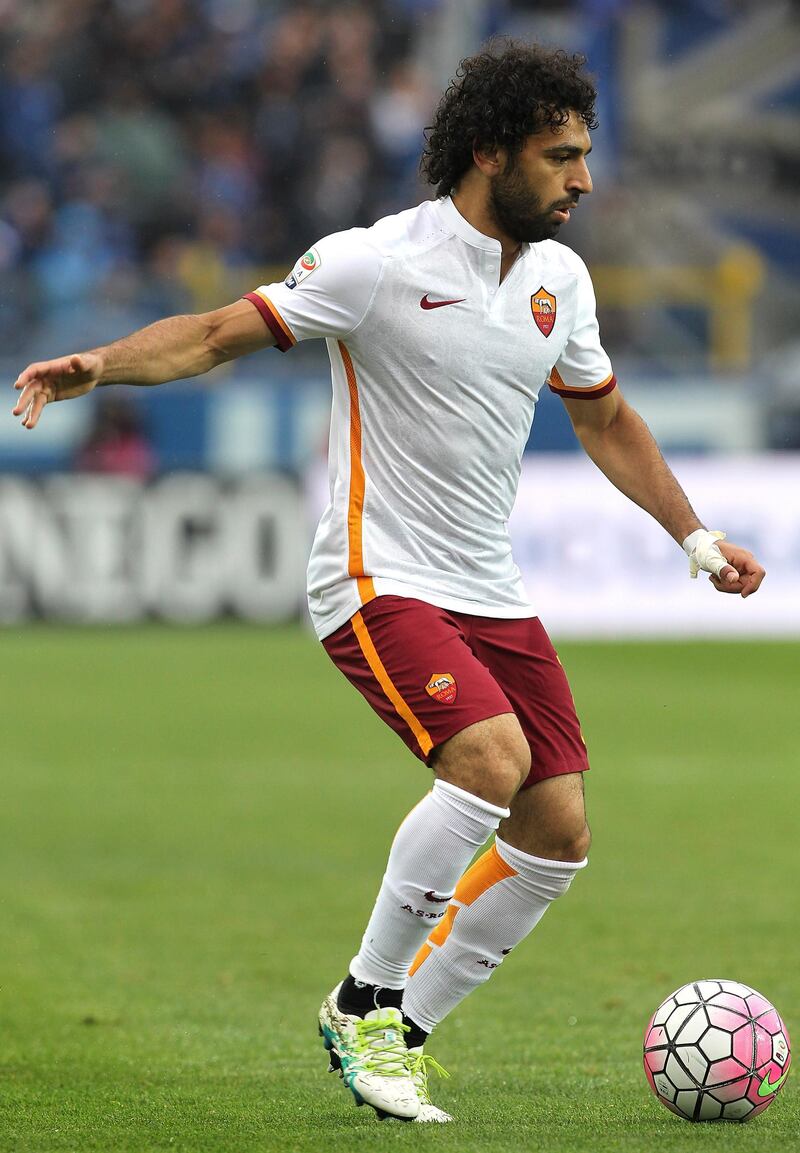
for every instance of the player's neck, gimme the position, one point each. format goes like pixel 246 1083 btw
pixel 471 201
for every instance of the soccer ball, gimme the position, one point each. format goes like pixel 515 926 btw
pixel 716 1051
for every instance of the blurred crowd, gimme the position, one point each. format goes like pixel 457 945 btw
pixel 155 154
pixel 161 156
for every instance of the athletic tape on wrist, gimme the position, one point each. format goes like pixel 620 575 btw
pixel 701 548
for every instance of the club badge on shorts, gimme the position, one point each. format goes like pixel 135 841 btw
pixel 543 307
pixel 442 687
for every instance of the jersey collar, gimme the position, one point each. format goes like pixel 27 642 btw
pixel 462 228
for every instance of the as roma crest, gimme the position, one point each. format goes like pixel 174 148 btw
pixel 442 687
pixel 543 307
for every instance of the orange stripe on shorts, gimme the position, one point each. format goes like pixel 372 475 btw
pixel 385 681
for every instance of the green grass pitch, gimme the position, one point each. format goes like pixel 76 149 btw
pixel 193 825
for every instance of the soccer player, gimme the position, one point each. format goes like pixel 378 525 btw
pixel 443 324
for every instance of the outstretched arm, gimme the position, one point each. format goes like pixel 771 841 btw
pixel 170 349
pixel 622 446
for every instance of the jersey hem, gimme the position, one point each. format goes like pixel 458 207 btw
pixel 387 587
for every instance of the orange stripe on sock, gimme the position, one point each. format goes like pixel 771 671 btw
pixel 385 681
pixel 443 929
pixel 421 956
pixel 488 870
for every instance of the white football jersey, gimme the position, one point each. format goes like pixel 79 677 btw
pixel 436 369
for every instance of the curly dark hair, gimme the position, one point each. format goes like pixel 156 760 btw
pixel 509 91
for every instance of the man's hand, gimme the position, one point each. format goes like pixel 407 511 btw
pixel 743 576
pixel 49 380
pixel 733 569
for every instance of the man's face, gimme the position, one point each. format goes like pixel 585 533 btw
pixel 531 196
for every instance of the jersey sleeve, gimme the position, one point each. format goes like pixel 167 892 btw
pixel 327 293
pixel 583 369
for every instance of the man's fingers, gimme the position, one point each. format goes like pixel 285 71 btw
pixel 37 408
pixel 25 399
pixel 82 362
pixel 726 586
pixel 74 366
pixel 733 569
pixel 746 582
pixel 711 559
pixel 30 393
pixel 49 380
pixel 34 410
pixel 50 370
pixel 35 372
pixel 753 576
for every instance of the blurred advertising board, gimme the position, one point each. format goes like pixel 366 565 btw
pixel 595 565
pixel 187 548
pixel 192 547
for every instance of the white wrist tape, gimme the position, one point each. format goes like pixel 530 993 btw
pixel 701 548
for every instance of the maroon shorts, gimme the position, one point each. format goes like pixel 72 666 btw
pixel 429 673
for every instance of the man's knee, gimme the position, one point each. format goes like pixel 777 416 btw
pixel 560 842
pixel 575 847
pixel 490 759
pixel 549 820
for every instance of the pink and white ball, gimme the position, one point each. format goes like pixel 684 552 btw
pixel 716 1051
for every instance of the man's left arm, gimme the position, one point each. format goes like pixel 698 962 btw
pixel 622 446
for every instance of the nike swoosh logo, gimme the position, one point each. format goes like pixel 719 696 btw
pixel 431 896
pixel 426 304
pixel 767 1087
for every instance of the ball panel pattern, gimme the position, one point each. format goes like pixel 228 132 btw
pixel 655 1060
pixel 678 1074
pixel 737 1110
pixel 724 1018
pixel 743 1045
pixel 724 1072
pixel 756 1005
pixel 694 1027
pixel 677 1018
pixel 715 1043
pixel 710 1109
pixel 732 1002
pixel 735 987
pixel 713 1051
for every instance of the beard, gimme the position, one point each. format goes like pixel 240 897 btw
pixel 518 211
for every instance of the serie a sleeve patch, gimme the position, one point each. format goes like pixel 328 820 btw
pixel 309 262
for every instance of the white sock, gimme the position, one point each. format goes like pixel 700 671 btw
pixel 433 846
pixel 496 904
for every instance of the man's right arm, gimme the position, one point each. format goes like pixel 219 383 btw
pixel 170 349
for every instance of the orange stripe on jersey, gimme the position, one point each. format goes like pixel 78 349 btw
pixel 488 870
pixel 355 508
pixel 274 321
pixel 387 684
pixel 558 386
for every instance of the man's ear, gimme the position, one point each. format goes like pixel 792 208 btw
pixel 489 159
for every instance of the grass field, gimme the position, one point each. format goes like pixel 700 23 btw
pixel 192 829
